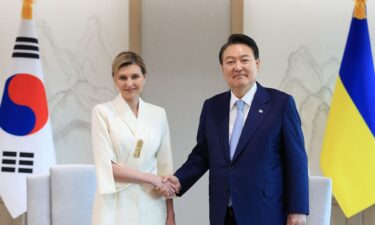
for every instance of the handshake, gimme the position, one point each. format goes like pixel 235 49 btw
pixel 167 186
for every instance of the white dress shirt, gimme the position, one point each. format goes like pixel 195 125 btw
pixel 248 99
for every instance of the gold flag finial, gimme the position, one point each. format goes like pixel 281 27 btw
pixel 360 9
pixel 27 9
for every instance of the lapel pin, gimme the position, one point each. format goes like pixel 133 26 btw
pixel 138 148
pixel 260 111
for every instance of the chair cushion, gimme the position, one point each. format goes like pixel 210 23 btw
pixel 72 194
pixel 320 195
pixel 38 200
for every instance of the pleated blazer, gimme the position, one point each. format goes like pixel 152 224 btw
pixel 115 132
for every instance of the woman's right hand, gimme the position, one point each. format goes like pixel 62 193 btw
pixel 164 189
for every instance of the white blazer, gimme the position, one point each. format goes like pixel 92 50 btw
pixel 115 131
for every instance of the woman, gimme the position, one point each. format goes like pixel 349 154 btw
pixel 132 151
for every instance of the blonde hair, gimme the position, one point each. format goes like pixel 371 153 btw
pixel 125 59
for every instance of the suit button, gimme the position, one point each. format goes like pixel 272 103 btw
pixel 230 167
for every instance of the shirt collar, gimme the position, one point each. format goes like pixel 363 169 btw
pixel 247 98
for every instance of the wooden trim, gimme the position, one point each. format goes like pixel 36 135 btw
pixel 236 16
pixel 135 26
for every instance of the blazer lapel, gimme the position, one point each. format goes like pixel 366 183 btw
pixel 223 124
pixel 140 125
pixel 126 114
pixel 141 128
pixel 258 111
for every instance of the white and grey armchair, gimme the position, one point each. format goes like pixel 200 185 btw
pixel 320 194
pixel 65 197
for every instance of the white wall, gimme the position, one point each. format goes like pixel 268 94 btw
pixel 301 46
pixel 180 44
pixel 78 40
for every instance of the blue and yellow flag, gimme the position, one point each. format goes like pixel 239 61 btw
pixel 348 153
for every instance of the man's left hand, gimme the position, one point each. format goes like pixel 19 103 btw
pixel 296 219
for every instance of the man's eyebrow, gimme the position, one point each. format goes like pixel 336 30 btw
pixel 241 56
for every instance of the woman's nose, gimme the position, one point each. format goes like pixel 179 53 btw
pixel 129 83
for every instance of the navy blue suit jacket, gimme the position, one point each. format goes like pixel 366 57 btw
pixel 267 177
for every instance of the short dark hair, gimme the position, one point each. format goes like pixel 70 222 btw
pixel 239 39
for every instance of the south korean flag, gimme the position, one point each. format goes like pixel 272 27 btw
pixel 26 143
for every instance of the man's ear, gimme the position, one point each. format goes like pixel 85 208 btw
pixel 257 63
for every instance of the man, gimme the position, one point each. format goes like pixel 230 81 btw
pixel 250 140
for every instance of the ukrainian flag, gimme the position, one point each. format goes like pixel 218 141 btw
pixel 348 153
